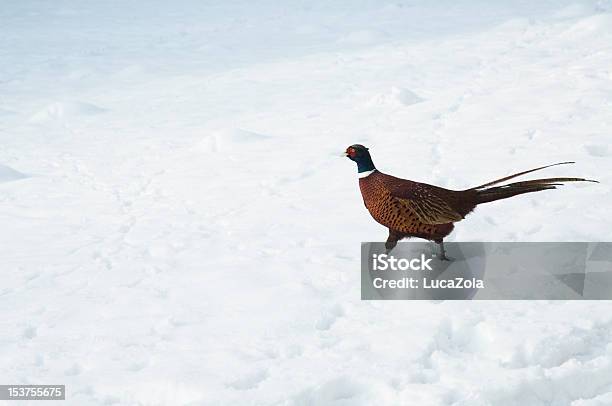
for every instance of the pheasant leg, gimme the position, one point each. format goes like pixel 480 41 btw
pixel 442 256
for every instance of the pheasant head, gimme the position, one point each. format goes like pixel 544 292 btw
pixel 360 155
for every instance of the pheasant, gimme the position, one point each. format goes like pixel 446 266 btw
pixel 413 209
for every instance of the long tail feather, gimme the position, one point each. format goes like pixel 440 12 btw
pixel 518 188
pixel 498 181
pixel 551 181
pixel 493 194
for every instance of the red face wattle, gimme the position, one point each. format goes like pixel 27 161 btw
pixel 351 152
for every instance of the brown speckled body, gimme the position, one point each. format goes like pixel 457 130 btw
pixel 380 191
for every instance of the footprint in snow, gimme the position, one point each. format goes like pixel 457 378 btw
pixel 597 150
pixel 362 37
pixel 5 113
pixel 341 390
pixel 395 97
pixel 137 366
pixel 74 370
pixel 231 140
pixel 249 381
pixel 329 317
pixel 29 332
pixel 65 110
pixel 8 174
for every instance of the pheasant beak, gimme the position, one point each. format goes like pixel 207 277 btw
pixel 344 154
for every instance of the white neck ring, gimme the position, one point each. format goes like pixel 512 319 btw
pixel 365 174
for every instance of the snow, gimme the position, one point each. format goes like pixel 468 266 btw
pixel 8 174
pixel 65 110
pixel 188 235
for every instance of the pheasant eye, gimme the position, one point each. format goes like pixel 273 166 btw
pixel 352 152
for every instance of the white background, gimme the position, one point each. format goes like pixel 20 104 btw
pixel 178 229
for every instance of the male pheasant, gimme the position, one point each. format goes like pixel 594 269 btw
pixel 413 209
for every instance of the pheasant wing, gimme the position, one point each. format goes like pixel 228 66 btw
pixel 423 202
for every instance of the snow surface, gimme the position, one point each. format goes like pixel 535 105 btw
pixel 187 235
